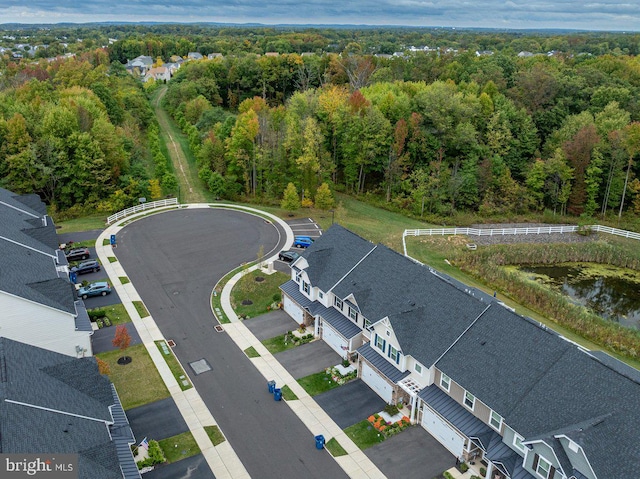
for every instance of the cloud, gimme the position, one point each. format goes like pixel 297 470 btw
pixel 599 15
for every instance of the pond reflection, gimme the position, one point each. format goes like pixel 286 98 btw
pixel 612 296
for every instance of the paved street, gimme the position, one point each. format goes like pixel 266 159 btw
pixel 174 259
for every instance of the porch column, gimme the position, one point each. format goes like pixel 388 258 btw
pixel 489 470
pixel 316 326
pixel 414 406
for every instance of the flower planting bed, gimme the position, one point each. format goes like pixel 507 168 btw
pixel 388 428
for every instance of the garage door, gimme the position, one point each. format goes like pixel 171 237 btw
pixel 335 340
pixel 293 309
pixel 376 382
pixel 444 433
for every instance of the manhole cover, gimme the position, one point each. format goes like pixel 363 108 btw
pixel 171 343
pixel 246 302
pixel 218 328
pixel 200 366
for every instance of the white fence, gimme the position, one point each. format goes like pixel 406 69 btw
pixel 515 231
pixel 141 207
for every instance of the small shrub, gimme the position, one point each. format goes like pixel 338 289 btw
pixel 391 409
pixel 447 475
pixel 345 363
pixel 106 321
pixel 156 456
pixel 276 297
pixel 464 467
pixel 99 323
pixel 483 471
pixel 476 477
pixel 95 314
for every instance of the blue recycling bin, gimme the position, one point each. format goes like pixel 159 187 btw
pixel 277 394
pixel 271 385
pixel 319 441
pixel 112 239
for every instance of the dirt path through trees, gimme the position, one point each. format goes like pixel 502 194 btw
pixel 191 190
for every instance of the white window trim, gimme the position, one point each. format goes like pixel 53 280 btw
pixel 417 367
pixel 464 400
pixel 353 317
pixel 521 447
pixel 383 343
pixel 320 294
pixel 446 385
pixel 298 277
pixel 491 420
pixel 395 357
pixel 337 302
pixel 542 459
pixel 306 287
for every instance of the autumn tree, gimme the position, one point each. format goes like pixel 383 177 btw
pixel 324 198
pixel 290 199
pixel 121 340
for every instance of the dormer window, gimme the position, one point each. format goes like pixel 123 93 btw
pixel 469 400
pixel 305 287
pixel 337 302
pixel 445 382
pixel 541 466
pixel 394 354
pixel 298 276
pixel 517 442
pixel 353 314
pixel 495 420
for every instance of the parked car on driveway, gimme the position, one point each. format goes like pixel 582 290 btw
pixel 91 266
pixel 288 256
pixel 101 288
pixel 302 241
pixel 78 254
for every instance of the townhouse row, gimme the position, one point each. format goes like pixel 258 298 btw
pixel 488 384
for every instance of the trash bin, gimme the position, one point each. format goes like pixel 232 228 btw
pixel 277 394
pixel 319 441
pixel 271 385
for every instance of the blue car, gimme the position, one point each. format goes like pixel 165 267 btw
pixel 91 266
pixel 302 241
pixel 101 288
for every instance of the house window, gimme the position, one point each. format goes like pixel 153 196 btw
pixel 418 368
pixel 573 446
pixel 353 314
pixel 305 287
pixel 517 441
pixel 337 302
pixel 380 343
pixel 298 276
pixel 394 354
pixel 445 382
pixel 543 467
pixel 367 323
pixel 320 294
pixel 495 421
pixel 469 400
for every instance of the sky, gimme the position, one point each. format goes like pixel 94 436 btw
pixel 612 15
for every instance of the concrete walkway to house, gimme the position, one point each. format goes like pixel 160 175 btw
pixel 222 459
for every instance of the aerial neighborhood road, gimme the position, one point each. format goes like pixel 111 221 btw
pixel 174 259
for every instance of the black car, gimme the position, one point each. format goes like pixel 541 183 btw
pixel 91 266
pixel 78 254
pixel 288 256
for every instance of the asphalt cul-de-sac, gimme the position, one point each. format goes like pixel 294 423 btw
pixel 174 259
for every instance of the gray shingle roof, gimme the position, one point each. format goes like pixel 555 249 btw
pixel 65 400
pixel 501 357
pixel 381 364
pixel 336 319
pixel 33 276
pixel 23 224
pixel 332 255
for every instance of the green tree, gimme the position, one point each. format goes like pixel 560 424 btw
pixel 290 199
pixel 324 198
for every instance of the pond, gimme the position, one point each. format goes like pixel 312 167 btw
pixel 610 292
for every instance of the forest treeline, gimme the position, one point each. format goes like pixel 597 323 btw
pixel 81 134
pixel 427 133
pixel 430 134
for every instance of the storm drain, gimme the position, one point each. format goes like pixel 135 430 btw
pixel 218 328
pixel 200 366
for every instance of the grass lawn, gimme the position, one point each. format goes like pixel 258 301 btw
pixel 288 394
pixel 317 383
pixel 112 259
pixel 142 311
pixel 277 344
pixel 364 435
pixel 259 288
pixel 123 279
pixel 217 292
pixel 334 447
pixel 138 382
pixel 116 313
pixel 83 244
pixel 215 434
pixel 251 352
pixel 179 447
pixel 96 222
pixel 174 365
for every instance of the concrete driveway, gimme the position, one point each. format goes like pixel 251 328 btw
pixel 350 403
pixel 269 325
pixel 158 420
pixel 412 453
pixel 194 467
pixel 174 259
pixel 101 338
pixel 308 358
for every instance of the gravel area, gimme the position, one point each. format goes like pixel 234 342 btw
pixel 530 238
